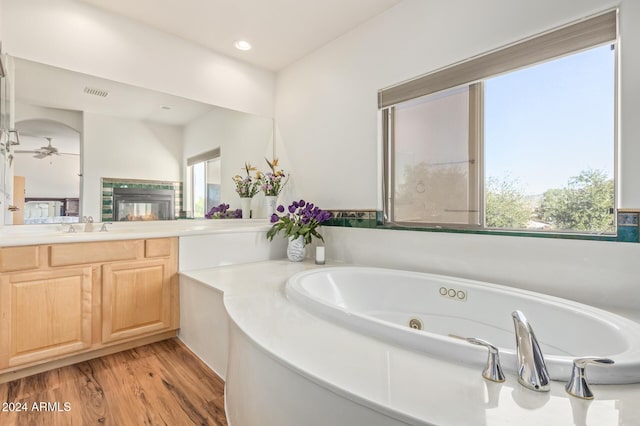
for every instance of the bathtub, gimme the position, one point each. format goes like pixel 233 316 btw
pixel 385 304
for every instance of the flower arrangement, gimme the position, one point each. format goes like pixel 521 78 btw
pixel 222 212
pixel 248 186
pixel 301 220
pixel 271 183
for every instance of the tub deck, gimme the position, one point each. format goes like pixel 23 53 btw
pixel 410 387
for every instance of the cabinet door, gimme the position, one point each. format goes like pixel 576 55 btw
pixel 44 314
pixel 135 298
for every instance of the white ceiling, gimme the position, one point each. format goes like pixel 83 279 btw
pixel 280 31
pixel 52 87
pixel 44 85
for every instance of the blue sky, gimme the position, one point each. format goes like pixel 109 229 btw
pixel 546 123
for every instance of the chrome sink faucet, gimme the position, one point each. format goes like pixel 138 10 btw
pixel 532 371
pixel 88 223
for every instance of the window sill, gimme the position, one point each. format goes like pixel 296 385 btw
pixel 369 222
pixel 504 232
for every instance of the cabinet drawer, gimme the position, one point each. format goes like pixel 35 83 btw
pixel 159 247
pixel 108 251
pixel 19 258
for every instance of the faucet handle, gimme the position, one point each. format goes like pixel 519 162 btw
pixel 493 370
pixel 103 228
pixel 577 385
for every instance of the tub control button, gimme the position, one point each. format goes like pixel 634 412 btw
pixel 452 293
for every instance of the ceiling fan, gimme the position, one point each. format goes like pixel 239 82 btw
pixel 45 151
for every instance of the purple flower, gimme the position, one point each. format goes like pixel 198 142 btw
pixel 222 212
pixel 302 218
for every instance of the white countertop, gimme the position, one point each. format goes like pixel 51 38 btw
pixel 21 235
pixel 410 386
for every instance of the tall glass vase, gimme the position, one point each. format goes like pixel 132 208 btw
pixel 271 201
pixel 245 205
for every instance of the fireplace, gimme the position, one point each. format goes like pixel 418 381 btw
pixel 133 204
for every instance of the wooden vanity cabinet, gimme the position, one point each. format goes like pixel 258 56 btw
pixel 136 298
pixel 64 303
pixel 44 314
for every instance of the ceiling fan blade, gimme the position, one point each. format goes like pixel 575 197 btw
pixel 44 153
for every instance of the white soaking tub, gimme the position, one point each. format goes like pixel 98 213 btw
pixel 383 303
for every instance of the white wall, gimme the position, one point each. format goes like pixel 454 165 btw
pixel 240 137
pixel 326 112
pixel 79 37
pixel 53 177
pixel 125 148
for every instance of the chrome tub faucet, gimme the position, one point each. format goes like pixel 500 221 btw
pixel 532 371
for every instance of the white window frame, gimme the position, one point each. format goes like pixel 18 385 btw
pixel 192 161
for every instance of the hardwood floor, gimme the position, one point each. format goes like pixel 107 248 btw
pixel 158 384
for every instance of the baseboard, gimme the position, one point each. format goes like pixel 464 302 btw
pixel 20 372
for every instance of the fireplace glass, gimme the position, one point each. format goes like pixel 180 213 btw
pixel 133 204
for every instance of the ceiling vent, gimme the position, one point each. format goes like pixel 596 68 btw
pixel 96 92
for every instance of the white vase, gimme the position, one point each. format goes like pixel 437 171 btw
pixel 296 249
pixel 271 201
pixel 245 205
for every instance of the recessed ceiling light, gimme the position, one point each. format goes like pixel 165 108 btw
pixel 242 45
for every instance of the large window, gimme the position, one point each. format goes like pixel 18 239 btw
pixel 521 138
pixel 203 187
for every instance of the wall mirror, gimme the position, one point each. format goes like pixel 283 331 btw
pixel 48 159
pixel 77 129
